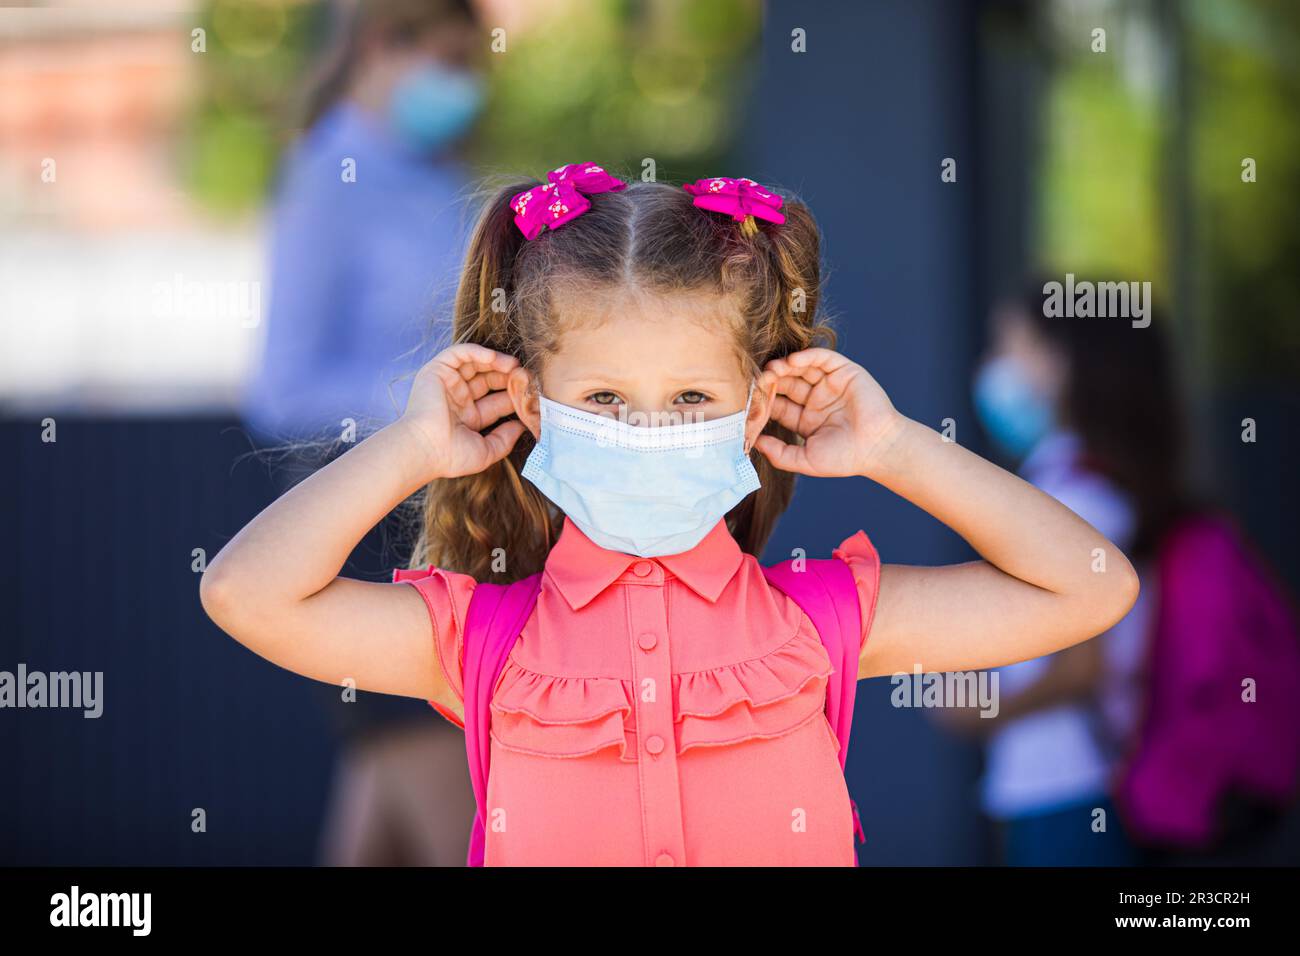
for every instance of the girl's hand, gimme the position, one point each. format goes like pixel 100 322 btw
pixel 843 415
pixel 459 392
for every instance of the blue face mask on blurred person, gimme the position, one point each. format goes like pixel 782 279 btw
pixel 1011 409
pixel 643 490
pixel 433 104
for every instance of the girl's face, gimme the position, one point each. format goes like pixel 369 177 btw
pixel 650 360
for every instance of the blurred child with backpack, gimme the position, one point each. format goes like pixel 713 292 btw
pixel 1184 720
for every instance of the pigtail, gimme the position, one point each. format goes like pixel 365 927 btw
pixel 481 312
pixel 793 256
pixel 780 265
pixel 471 521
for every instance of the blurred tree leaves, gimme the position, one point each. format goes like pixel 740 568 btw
pixel 618 82
pixel 1100 207
pixel 1244 67
pixel 614 81
pixel 257 52
pixel 1105 190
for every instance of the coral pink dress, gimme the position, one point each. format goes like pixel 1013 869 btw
pixel 661 711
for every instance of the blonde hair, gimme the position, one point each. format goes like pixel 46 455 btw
pixel 650 236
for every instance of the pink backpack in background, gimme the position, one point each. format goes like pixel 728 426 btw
pixel 825 590
pixel 1221 619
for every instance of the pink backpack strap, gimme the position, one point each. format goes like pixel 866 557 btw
pixel 496 616
pixel 826 591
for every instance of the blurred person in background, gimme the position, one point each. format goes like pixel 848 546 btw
pixel 1063 720
pixel 1147 721
pixel 365 227
pixel 366 238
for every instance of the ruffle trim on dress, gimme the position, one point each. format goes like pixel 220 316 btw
pixel 765 697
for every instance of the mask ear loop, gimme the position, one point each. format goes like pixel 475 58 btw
pixel 749 398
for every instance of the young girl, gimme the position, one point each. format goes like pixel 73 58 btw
pixel 639 373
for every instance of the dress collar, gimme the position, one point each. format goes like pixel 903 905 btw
pixel 581 569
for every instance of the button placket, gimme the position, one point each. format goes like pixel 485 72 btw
pixel 665 841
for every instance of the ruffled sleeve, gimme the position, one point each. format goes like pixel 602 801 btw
pixel 860 555
pixel 446 595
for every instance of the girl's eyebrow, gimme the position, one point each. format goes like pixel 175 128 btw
pixel 703 379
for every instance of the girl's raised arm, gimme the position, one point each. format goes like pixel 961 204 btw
pixel 1048 579
pixel 275 586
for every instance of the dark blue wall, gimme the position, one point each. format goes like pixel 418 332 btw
pixel 97 577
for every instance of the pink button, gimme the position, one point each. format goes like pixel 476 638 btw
pixel 647 641
pixel 654 743
pixel 641 568
pixel 664 859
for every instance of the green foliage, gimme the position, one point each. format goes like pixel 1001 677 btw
pixel 1246 84
pixel 1106 189
pixel 606 80
pixel 620 83
pixel 1099 202
pixel 256 53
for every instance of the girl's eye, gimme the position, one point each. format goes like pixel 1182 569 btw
pixel 610 398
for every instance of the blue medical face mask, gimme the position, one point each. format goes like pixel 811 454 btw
pixel 643 490
pixel 1014 412
pixel 433 104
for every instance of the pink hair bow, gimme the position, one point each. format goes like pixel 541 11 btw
pixel 561 199
pixel 738 197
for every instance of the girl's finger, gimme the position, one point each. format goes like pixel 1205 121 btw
pixel 501 439
pixel 485 382
pixel 457 389
pixel 787 413
pixel 828 360
pixel 470 357
pixel 470 381
pixel 797 389
pixel 818 365
pixel 789 366
pixel 811 365
pixel 786 457
pixel 787 373
pixel 495 406
pixel 474 351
